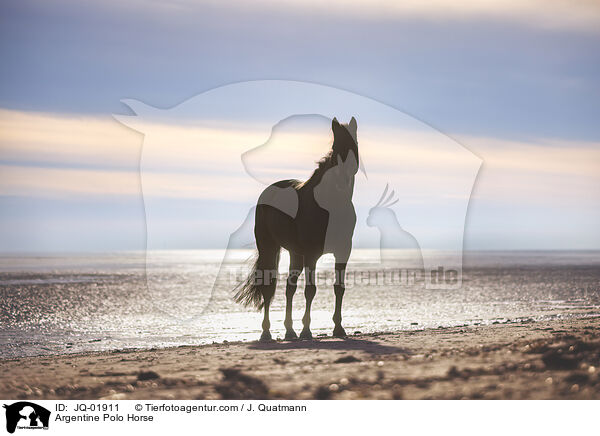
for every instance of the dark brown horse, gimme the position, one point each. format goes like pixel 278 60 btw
pixel 308 219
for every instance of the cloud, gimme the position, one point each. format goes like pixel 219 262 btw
pixel 77 183
pixel 66 140
pixel 544 13
pixel 553 14
pixel 65 182
pixel 544 156
pixel 69 156
pixel 547 172
pixel 65 164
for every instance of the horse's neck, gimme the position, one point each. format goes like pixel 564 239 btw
pixel 316 178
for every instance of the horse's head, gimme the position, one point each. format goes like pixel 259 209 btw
pixel 345 142
pixel 381 213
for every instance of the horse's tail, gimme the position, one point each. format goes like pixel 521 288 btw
pixel 248 291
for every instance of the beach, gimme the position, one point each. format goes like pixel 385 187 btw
pixel 106 302
pixel 555 359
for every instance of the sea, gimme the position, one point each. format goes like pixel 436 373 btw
pixel 54 304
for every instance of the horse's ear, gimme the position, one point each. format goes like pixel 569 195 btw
pixel 334 124
pixel 352 124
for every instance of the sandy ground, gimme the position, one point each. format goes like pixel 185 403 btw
pixel 543 360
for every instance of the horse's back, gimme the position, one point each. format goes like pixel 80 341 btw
pixel 282 196
pixel 276 212
pixel 288 183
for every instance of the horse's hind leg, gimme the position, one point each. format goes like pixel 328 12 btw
pixel 268 261
pixel 296 265
pixel 310 290
pixel 339 288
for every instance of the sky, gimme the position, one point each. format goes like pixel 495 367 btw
pixel 515 82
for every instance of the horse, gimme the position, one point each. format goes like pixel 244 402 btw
pixel 308 219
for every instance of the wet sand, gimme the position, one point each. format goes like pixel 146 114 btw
pixel 557 359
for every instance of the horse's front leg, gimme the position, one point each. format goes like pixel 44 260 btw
pixel 339 289
pixel 310 289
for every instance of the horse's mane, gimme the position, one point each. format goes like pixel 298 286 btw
pixel 325 163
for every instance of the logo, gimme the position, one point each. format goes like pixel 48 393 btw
pixel 26 415
pixel 269 133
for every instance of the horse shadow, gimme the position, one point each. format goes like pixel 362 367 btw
pixel 347 344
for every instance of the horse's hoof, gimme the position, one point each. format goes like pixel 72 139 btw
pixel 306 334
pixel 266 336
pixel 339 332
pixel 290 335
